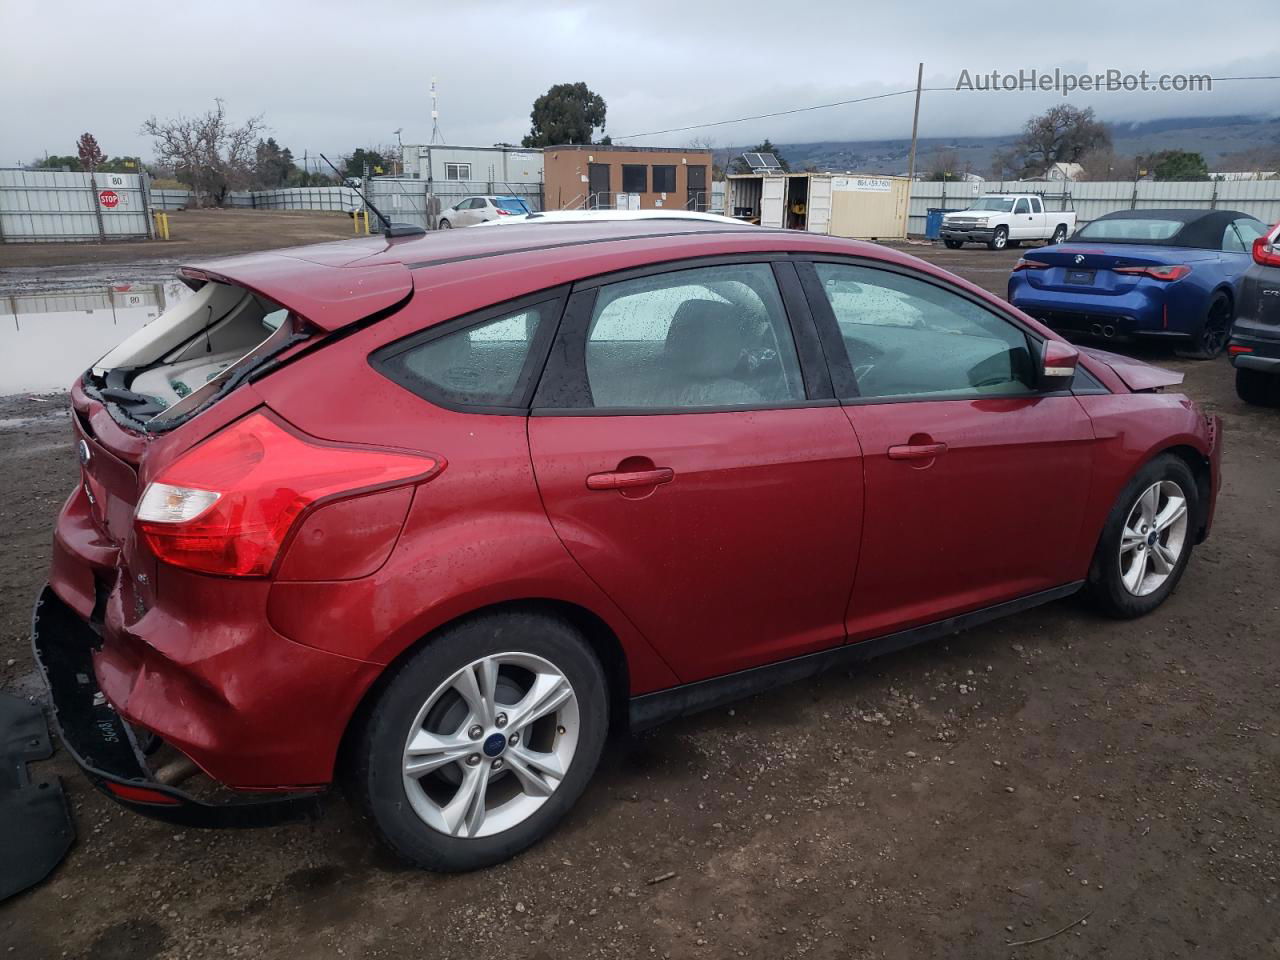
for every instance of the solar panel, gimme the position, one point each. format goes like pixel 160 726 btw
pixel 762 162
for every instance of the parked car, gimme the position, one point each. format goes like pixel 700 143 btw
pixel 1171 274
pixel 429 516
pixel 472 210
pixel 1255 337
pixel 1006 219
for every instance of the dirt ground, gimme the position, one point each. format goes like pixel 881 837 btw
pixel 193 234
pixel 941 802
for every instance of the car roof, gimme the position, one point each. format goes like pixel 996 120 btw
pixel 334 284
pixel 1184 214
pixel 1201 229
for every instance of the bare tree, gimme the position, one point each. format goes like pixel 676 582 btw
pixel 208 151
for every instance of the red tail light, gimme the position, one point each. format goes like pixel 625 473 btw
pixel 1233 349
pixel 503 213
pixel 1167 273
pixel 1025 264
pixel 1266 250
pixel 227 505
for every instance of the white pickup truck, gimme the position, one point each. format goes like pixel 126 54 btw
pixel 1006 219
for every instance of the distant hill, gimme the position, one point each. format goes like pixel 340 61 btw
pixel 1215 137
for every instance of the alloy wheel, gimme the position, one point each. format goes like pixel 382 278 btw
pixel 1154 537
pixel 490 745
pixel 1217 328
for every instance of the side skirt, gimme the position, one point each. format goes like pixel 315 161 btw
pixel 650 709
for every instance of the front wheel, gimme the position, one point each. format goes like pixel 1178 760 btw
pixel 482 740
pixel 951 244
pixel 445 225
pixel 1000 240
pixel 1147 540
pixel 1211 339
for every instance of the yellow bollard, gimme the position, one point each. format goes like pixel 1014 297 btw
pixel 366 221
pixel 165 219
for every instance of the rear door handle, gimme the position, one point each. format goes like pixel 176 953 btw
pixel 627 479
pixel 917 451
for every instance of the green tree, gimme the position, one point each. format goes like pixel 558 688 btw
pixel 121 165
pixel 56 162
pixel 1062 134
pixel 741 166
pixel 1178 165
pixel 567 113
pixel 371 158
pixel 273 164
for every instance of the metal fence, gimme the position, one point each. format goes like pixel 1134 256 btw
pixel 167 199
pixel 339 199
pixel 1092 198
pixel 40 206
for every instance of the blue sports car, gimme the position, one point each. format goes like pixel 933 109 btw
pixel 1142 273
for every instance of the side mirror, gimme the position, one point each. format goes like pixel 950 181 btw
pixel 1057 365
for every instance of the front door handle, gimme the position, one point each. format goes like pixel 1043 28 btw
pixel 917 451
pixel 628 479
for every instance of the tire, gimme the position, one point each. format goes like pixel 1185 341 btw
pixel 1112 586
pixel 952 244
pixel 1059 235
pixel 420 701
pixel 445 225
pixel 1000 240
pixel 1015 243
pixel 1211 339
pixel 1258 388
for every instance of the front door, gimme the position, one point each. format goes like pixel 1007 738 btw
pixel 697 199
pixel 975 482
pixel 598 186
pixel 692 468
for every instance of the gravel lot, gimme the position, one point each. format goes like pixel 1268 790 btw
pixel 941 802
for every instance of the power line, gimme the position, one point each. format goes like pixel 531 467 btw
pixel 766 116
pixel 843 103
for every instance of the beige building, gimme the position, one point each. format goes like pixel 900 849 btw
pixel 644 178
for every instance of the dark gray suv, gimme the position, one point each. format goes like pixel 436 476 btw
pixel 1255 336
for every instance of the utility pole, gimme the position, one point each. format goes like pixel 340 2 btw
pixel 915 127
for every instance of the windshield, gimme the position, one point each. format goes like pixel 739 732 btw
pixel 998 204
pixel 511 204
pixel 1130 230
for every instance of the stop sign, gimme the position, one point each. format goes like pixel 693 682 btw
pixel 108 198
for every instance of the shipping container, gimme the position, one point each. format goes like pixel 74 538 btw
pixel 796 201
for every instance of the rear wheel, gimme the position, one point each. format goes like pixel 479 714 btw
pixel 482 740
pixel 1059 235
pixel 1000 240
pixel 1258 388
pixel 1214 333
pixel 952 244
pixel 1147 540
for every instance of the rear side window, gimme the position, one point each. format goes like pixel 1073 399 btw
pixel 511 205
pixel 487 364
pixel 707 337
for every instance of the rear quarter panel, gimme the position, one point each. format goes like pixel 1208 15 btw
pixel 476 534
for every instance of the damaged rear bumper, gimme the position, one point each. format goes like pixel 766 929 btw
pixel 105 746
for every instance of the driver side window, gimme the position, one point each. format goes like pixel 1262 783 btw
pixel 905 337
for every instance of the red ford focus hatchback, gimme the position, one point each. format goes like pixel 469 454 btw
pixel 430 515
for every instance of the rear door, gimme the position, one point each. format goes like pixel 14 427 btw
pixel 693 461
pixel 975 482
pixel 819 204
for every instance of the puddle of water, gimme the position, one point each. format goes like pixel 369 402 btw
pixel 48 338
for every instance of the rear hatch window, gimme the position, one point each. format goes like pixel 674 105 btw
pixel 190 355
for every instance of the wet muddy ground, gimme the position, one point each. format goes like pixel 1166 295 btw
pixel 947 801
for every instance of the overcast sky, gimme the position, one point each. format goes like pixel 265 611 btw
pixel 331 76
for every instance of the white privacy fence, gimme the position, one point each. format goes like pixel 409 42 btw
pixel 43 206
pixel 338 199
pixel 404 199
pixel 1092 199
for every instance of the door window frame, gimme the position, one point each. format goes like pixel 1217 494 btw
pixel 564 390
pixel 843 380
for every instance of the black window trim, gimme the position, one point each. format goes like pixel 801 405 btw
pixel 842 377
pixel 634 166
pixel 653 177
pixel 530 373
pixel 564 377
